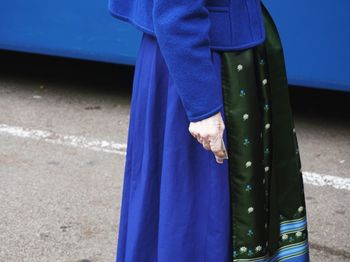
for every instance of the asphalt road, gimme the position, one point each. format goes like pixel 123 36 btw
pixel 63 133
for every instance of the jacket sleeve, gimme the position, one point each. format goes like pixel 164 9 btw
pixel 182 31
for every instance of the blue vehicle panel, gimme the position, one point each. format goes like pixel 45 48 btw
pixel 316 41
pixel 315 35
pixel 78 29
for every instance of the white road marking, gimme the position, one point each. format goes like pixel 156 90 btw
pixel 67 140
pixel 117 148
pixel 326 180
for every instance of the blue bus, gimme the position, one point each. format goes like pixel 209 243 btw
pixel 315 35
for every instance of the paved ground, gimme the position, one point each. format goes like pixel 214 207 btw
pixel 63 131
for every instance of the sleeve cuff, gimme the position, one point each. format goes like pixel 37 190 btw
pixel 205 115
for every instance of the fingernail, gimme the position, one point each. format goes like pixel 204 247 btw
pixel 219 160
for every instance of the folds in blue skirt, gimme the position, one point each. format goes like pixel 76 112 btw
pixel 176 199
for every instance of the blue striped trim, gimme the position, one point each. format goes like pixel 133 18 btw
pixel 298 258
pixel 290 226
pixel 297 252
pixel 291 251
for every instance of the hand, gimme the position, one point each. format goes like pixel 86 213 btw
pixel 209 132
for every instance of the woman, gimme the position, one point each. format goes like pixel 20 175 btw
pixel 209 73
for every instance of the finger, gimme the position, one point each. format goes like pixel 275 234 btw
pixel 223 147
pixel 206 145
pixel 217 149
pixel 216 138
pixel 195 134
pixel 199 138
pixel 219 154
pixel 216 146
pixel 219 160
pixel 193 131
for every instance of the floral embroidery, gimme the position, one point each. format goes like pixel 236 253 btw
pixel 267 168
pixel 300 209
pixel 262 62
pixel 266 107
pixel 250 210
pixel 248 164
pixel 298 234
pixel 248 188
pixel 245 116
pixel 235 253
pixel 258 248
pixel 284 236
pixel 267 150
pixel 250 232
pixel 267 126
pixel 242 92
pixel 239 67
pixel 250 252
pixel 264 82
pixel 246 141
pixel 243 249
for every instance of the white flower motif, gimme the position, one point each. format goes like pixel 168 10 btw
pixel 267 126
pixel 258 248
pixel 300 209
pixel 243 249
pixel 250 210
pixel 239 67
pixel 264 82
pixel 248 164
pixel 298 234
pixel 267 168
pixel 245 116
pixel 284 236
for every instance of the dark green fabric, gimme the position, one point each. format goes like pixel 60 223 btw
pixel 264 164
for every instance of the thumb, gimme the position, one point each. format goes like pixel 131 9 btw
pixel 215 143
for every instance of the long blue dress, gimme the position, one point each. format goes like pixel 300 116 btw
pixel 176 199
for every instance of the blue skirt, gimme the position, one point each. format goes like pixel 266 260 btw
pixel 176 198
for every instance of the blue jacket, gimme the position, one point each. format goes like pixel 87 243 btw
pixel 187 31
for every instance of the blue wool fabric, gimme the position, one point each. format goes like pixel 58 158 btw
pixel 176 198
pixel 186 32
